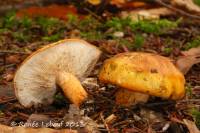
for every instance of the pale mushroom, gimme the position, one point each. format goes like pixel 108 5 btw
pixel 65 63
pixel 142 74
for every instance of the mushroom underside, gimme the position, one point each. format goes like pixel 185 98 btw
pixel 35 80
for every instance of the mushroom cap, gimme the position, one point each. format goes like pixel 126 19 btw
pixel 35 79
pixel 145 73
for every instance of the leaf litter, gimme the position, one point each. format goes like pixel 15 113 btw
pixel 114 36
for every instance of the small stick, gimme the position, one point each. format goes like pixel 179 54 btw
pixel 12 52
pixel 23 115
pixel 93 14
pixel 11 99
pixel 104 122
pixel 159 104
pixel 189 100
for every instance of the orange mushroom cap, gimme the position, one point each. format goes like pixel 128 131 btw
pixel 144 73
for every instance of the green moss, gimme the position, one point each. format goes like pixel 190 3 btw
pixel 52 38
pixel 59 97
pixel 147 26
pixel 129 44
pixel 167 50
pixel 92 35
pixel 20 36
pixel 156 26
pixel 197 2
pixel 196 116
pixel 71 18
pixel 3 30
pixel 26 22
pixel 9 20
pixel 118 24
pixel 188 89
pixel 89 23
pixel 138 41
pixel 47 24
pixel 193 44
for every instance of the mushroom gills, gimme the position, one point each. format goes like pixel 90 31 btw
pixel 70 60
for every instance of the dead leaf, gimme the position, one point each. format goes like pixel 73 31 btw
pixel 57 11
pixel 196 90
pixel 151 116
pixel 191 126
pixel 90 83
pixel 118 34
pixel 127 4
pixel 192 51
pixel 118 3
pixel 9 75
pixel 90 125
pixel 110 119
pixel 8 129
pixel 94 2
pixel 191 57
pixel 12 59
pixel 7 90
pixel 40 119
pixel 76 115
pixel 148 14
pixel 188 4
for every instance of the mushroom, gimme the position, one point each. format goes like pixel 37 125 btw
pixel 140 75
pixel 65 63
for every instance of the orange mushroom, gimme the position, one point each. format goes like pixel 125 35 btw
pixel 65 63
pixel 142 74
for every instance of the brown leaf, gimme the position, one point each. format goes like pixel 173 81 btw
pixel 9 75
pixel 8 129
pixel 118 3
pixel 7 90
pixel 76 115
pixel 188 4
pixel 191 57
pixel 57 11
pixel 192 51
pixel 12 59
pixel 151 116
pixel 110 119
pixel 90 83
pixel 94 2
pixel 126 4
pixel 37 118
pixel 191 126
pixel 147 14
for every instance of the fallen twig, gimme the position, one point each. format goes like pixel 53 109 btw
pixel 104 122
pixel 12 52
pixel 10 99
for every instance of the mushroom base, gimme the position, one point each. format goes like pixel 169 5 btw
pixel 127 97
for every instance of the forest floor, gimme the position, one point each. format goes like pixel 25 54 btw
pixel 169 36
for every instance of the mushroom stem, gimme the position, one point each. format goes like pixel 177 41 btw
pixel 127 97
pixel 71 87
